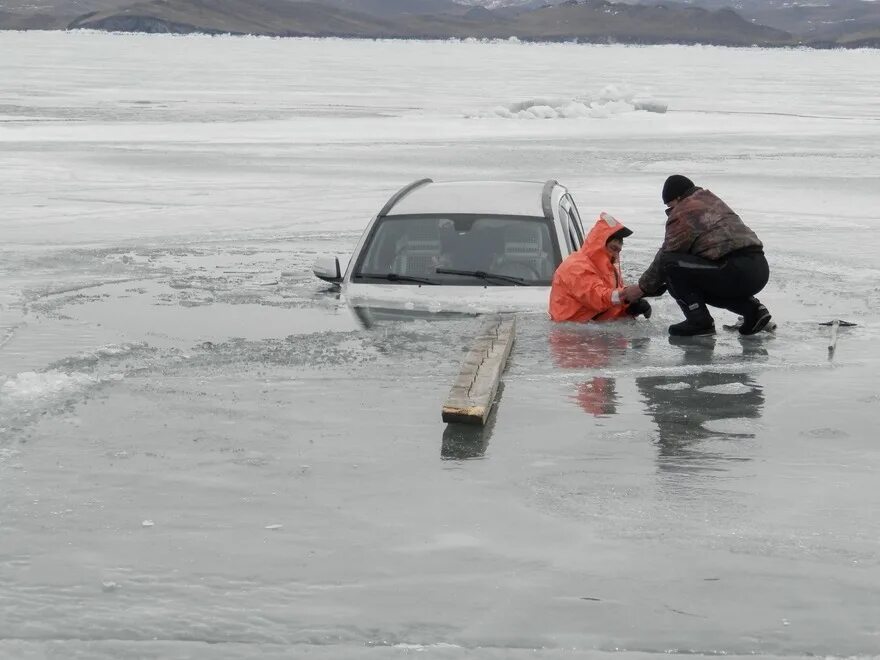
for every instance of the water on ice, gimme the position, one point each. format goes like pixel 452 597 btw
pixel 167 357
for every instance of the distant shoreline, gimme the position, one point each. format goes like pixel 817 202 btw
pixel 873 44
pixel 581 21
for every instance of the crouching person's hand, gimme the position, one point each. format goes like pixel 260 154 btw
pixel 631 293
pixel 639 308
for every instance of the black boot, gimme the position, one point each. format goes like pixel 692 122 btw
pixel 698 322
pixel 755 319
pixel 689 328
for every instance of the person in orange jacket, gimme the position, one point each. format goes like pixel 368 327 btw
pixel 588 285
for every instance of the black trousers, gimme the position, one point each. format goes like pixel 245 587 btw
pixel 729 283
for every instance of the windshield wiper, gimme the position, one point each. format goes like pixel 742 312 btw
pixel 483 275
pixel 395 277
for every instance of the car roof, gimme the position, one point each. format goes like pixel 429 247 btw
pixel 490 197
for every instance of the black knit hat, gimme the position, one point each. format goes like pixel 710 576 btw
pixel 676 186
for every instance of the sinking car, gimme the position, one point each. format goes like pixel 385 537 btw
pixel 461 246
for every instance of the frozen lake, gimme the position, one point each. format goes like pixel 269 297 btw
pixel 205 454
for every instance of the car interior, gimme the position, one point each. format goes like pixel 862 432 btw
pixel 504 246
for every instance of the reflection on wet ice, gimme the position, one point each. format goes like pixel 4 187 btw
pixel 598 396
pixel 689 409
pixel 464 441
pixel 687 405
pixel 575 349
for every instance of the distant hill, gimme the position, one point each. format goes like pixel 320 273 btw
pixel 263 17
pixel 590 20
pixel 596 20
pixel 848 23
pixel 32 21
pixel 389 8
pixel 869 38
pixel 820 21
pixel 810 20
pixel 823 21
pixel 69 8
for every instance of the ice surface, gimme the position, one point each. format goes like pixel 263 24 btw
pixel 167 356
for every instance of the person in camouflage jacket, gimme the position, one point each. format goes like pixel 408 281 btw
pixel 708 257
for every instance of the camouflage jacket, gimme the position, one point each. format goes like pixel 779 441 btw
pixel 702 225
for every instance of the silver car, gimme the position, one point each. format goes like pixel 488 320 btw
pixel 461 246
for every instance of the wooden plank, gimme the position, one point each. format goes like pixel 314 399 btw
pixel 473 390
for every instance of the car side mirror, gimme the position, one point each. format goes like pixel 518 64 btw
pixel 327 268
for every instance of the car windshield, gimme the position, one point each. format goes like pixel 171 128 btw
pixel 516 249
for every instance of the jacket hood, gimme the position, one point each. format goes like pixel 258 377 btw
pixel 606 226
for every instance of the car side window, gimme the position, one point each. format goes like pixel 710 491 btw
pixel 572 239
pixel 575 239
pixel 565 221
pixel 576 221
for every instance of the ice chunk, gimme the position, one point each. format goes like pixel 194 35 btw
pixel 673 386
pixel 610 100
pixel 727 388
pixel 30 385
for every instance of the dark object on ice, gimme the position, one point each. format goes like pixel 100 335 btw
pixel 841 323
pixel 675 186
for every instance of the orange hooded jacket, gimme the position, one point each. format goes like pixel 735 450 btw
pixel 588 284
